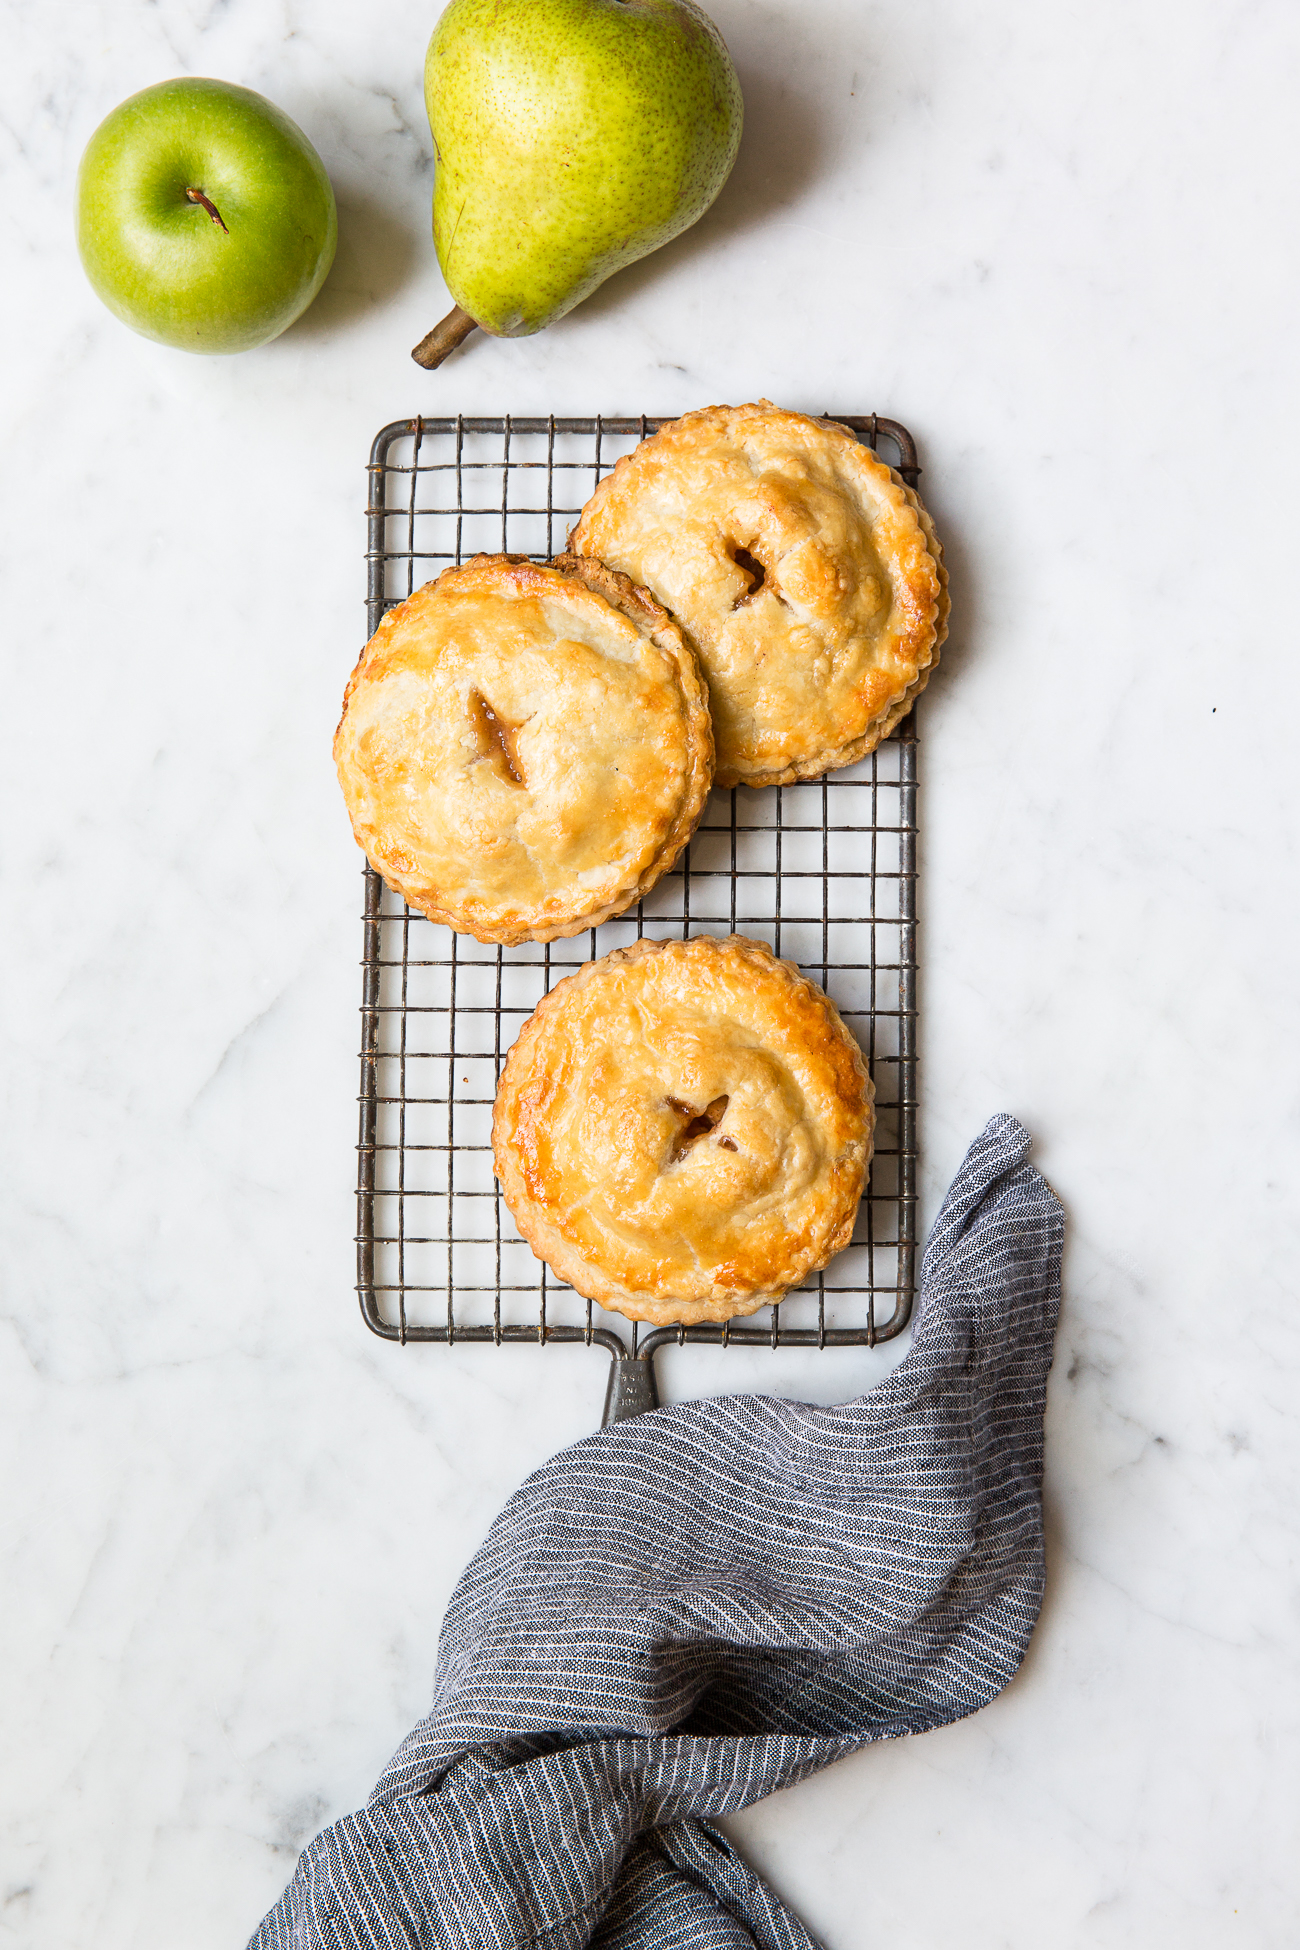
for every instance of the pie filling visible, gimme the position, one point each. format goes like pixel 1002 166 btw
pixel 525 748
pixel 755 571
pixel 725 506
pixel 682 1129
pixel 698 1125
pixel 496 737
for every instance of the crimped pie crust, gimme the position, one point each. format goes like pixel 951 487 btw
pixel 808 576
pixel 682 1129
pixel 525 748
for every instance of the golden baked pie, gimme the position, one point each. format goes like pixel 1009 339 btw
pixel 525 749
pixel 806 573
pixel 682 1129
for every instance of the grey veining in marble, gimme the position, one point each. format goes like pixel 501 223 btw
pixel 1059 243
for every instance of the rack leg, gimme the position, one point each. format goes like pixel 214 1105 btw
pixel 631 1388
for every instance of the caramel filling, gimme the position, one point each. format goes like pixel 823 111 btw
pixel 754 570
pixel 698 1124
pixel 496 738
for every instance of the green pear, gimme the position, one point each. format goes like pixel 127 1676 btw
pixel 572 137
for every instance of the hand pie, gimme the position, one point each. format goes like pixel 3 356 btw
pixel 525 749
pixel 806 574
pixel 682 1129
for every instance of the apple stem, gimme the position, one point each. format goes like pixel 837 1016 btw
pixel 197 196
pixel 444 338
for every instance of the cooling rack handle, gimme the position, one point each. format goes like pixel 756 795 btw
pixel 631 1388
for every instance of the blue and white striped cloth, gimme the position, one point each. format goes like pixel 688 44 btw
pixel 705 1603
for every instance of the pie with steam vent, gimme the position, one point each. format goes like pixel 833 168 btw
pixel 525 748
pixel 682 1129
pixel 806 573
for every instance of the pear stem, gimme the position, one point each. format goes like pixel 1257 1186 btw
pixel 444 338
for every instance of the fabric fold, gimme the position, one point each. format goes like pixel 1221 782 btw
pixel 689 1610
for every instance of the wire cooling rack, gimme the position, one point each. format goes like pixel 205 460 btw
pixel 824 873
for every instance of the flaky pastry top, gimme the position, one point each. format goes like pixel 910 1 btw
pixel 807 575
pixel 682 1129
pixel 525 748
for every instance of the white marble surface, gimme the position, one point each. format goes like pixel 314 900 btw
pixel 1060 243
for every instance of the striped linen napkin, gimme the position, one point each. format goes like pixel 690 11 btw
pixel 705 1603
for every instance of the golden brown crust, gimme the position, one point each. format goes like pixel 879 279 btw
pixel 682 1129
pixel 525 748
pixel 808 576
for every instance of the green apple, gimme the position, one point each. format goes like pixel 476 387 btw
pixel 205 218
pixel 572 137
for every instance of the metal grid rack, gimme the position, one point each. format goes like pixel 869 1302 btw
pixel 825 873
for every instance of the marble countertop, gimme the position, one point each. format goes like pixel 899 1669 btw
pixel 1059 244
